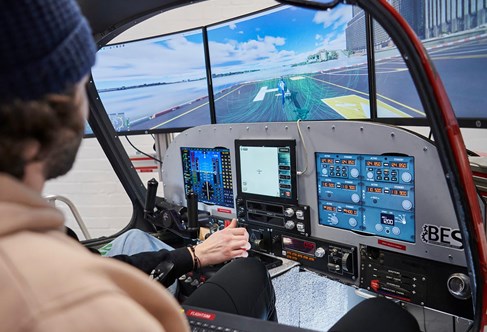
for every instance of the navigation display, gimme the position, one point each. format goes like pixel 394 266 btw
pixel 154 85
pixel 208 173
pixel 266 169
pixel 367 193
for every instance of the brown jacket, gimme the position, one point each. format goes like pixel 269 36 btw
pixel 49 282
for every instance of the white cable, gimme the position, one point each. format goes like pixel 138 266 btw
pixel 304 148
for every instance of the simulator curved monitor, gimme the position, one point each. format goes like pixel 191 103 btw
pixel 286 64
pixel 154 85
pixel 456 42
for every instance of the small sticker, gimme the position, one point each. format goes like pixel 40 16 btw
pixel 442 236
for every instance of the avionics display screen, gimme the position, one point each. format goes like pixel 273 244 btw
pixel 367 193
pixel 286 64
pixel 155 84
pixel 208 173
pixel 266 169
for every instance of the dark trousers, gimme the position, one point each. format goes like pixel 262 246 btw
pixel 241 287
pixel 377 315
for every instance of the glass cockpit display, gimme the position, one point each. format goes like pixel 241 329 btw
pixel 266 169
pixel 367 193
pixel 207 172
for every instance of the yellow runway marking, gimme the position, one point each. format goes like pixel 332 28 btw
pixel 356 107
pixel 366 94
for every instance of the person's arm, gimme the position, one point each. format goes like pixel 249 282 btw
pixel 148 261
pixel 220 247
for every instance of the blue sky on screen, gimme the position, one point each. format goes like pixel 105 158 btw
pixel 274 38
pixel 285 36
pixel 162 59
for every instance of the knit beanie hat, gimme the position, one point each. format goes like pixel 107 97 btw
pixel 46 46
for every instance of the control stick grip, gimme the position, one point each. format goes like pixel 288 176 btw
pixel 150 198
pixel 192 202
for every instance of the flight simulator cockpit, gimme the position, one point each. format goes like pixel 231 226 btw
pixel 306 152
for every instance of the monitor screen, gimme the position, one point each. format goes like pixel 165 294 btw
pixel 154 85
pixel 367 193
pixel 207 172
pixel 286 64
pixel 455 39
pixel 266 169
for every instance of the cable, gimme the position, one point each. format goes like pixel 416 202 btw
pixel 305 149
pixel 145 154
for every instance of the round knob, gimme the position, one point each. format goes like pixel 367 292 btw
pixel 289 212
pixel 370 175
pixel 406 177
pixel 259 243
pixel 300 227
pixel 324 171
pixel 459 286
pixel 407 205
pixel 396 230
pixel 334 220
pixel 355 198
pixel 379 227
pixel 300 214
pixel 241 213
pixel 354 172
pixel 320 252
pixel 352 222
pixel 289 224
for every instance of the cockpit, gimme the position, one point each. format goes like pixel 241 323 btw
pixel 323 128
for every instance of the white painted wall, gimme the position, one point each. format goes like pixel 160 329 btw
pixel 93 186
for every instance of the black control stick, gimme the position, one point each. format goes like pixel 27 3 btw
pixel 192 214
pixel 150 198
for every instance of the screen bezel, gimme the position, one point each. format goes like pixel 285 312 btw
pixel 291 143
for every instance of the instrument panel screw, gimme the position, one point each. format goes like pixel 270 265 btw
pixel 425 149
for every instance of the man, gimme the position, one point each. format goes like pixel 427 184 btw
pixel 48 281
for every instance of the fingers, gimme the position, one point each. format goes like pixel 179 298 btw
pixel 239 253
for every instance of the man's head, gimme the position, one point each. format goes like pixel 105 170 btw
pixel 46 51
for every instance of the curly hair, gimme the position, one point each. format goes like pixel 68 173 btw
pixel 53 119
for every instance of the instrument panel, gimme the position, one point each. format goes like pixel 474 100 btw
pixel 367 193
pixel 366 204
